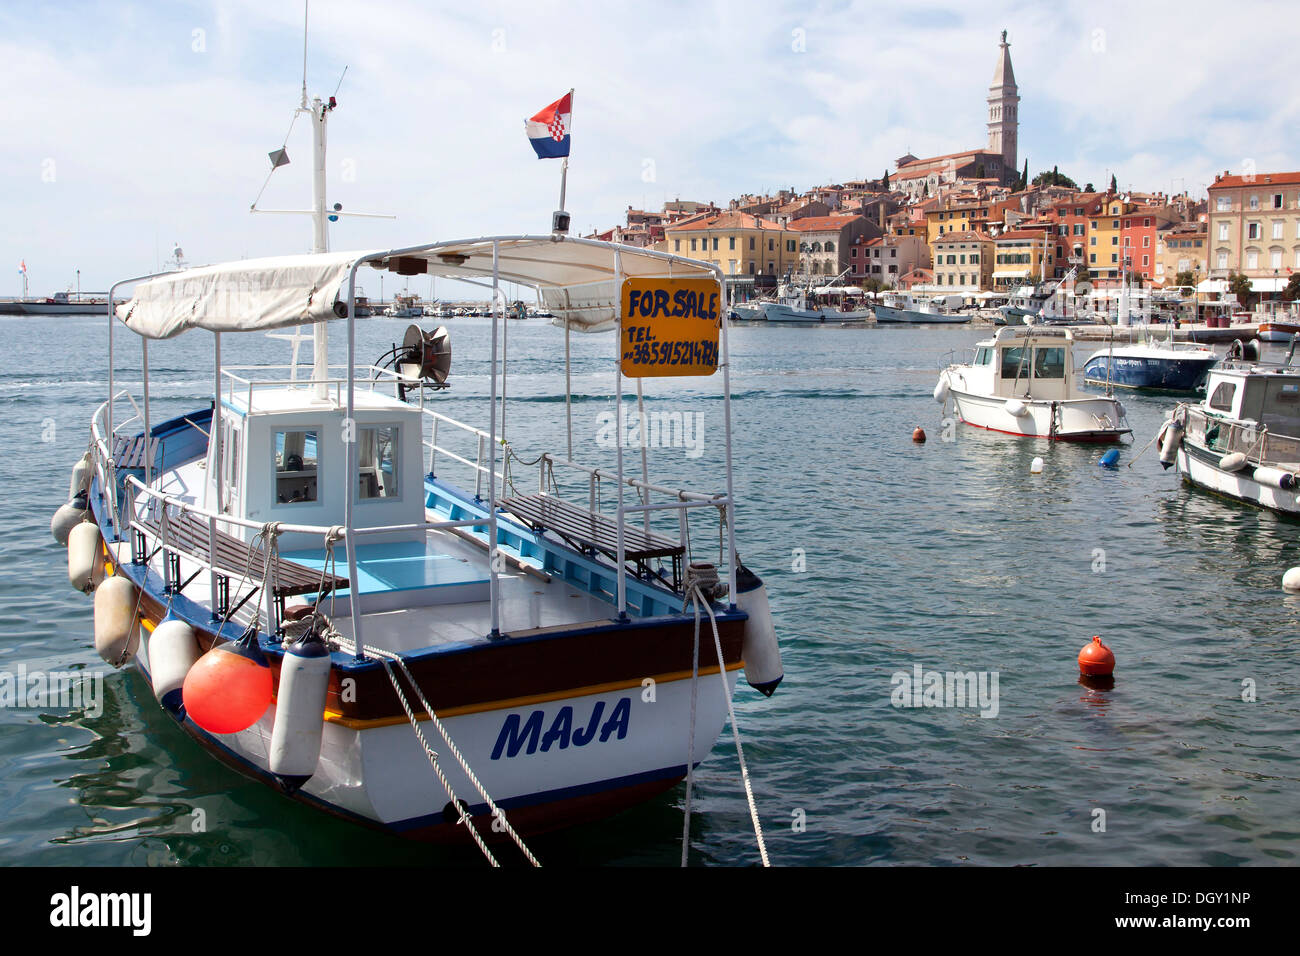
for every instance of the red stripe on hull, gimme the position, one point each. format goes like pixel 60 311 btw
pixel 1093 438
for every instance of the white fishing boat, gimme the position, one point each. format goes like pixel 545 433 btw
pixel 406 305
pixel 344 593
pixel 1022 382
pixel 1241 441
pixel 905 309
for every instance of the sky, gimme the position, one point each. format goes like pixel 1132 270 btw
pixel 130 128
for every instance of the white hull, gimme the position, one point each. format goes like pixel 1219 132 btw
pixel 1087 419
pixel 1234 484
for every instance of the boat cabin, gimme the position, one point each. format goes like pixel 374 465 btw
pixel 283 457
pixel 1269 397
pixel 1028 362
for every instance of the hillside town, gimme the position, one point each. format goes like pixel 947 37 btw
pixel 974 224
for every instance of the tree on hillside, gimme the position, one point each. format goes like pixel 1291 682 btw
pixel 1114 186
pixel 1090 188
pixel 1054 178
pixel 1186 277
pixel 1024 178
pixel 884 183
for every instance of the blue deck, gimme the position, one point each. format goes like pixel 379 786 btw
pixel 405 567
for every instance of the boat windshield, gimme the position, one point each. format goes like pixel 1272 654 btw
pixel 1011 361
pixel 1049 363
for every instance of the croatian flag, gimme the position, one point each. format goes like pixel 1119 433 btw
pixel 548 131
pixel 22 267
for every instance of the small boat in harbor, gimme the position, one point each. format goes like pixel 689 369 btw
pixel 1242 440
pixel 820 305
pixel 1153 365
pixel 1022 382
pixel 902 308
pixel 1278 331
pixel 340 591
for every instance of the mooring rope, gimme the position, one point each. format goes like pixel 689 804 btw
pixel 386 657
pixel 694 581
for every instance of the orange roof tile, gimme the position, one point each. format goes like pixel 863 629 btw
pixel 1259 179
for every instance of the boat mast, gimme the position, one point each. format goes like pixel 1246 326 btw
pixel 320 230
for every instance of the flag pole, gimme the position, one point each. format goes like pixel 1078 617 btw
pixel 564 167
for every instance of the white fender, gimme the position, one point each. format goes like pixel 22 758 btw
pixel 66 518
pixel 1016 407
pixel 116 633
pixel 941 390
pixel 1170 443
pixel 763 669
pixel 83 556
pixel 81 472
pixel 173 650
pixel 1276 477
pixel 300 711
pixel 1234 462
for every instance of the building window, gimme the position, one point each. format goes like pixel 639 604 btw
pixel 1252 260
pixel 1114 224
pixel 1078 229
pixel 1114 257
pixel 1277 228
pixel 732 241
pixel 1146 260
pixel 1275 259
pixel 1223 204
pixel 830 247
pixel 1223 232
pixel 692 245
pixel 1146 223
pixel 1092 258
pixel 975 259
pixel 1223 260
pixel 1092 240
pixel 1277 200
pixel 1252 231
pixel 771 245
pixel 1146 242
pixel 715 243
pixel 751 243
pixel 1254 202
pixel 677 245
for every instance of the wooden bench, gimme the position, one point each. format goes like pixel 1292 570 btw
pixel 132 451
pixel 591 532
pixel 187 536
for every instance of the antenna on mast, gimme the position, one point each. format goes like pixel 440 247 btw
pixel 304 55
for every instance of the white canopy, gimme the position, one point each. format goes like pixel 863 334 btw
pixel 240 296
pixel 577 279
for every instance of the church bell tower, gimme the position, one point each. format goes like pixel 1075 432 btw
pixel 1003 111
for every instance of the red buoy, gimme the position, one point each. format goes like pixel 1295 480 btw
pixel 1096 659
pixel 918 435
pixel 229 687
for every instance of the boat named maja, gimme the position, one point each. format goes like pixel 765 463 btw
pixel 1022 382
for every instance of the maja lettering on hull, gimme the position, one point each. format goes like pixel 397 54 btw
pixel 519 735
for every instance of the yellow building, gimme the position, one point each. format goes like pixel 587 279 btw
pixel 1104 253
pixel 740 244
pixel 1021 257
pixel 946 217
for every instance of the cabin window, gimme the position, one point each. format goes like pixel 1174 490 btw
pixel 297 462
pixel 983 356
pixel 1011 359
pixel 1049 363
pixel 1222 397
pixel 377 462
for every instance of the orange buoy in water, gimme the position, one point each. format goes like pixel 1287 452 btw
pixel 1096 659
pixel 918 435
pixel 229 687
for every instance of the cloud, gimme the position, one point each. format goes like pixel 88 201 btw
pixel 155 142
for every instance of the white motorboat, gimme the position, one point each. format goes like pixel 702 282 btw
pixel 905 309
pixel 1151 365
pixel 1242 440
pixel 1022 382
